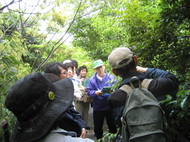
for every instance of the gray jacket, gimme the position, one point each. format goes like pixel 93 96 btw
pixel 60 135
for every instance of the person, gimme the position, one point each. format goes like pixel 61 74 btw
pixel 71 69
pixel 36 103
pixel 56 68
pixel 124 64
pixel 83 106
pixel 76 66
pixel 78 88
pixel 72 120
pixel 101 109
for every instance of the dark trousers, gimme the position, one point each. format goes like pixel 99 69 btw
pixel 98 117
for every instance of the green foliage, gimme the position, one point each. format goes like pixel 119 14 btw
pixel 156 30
pixel 59 18
pixel 171 48
pixel 180 116
pixel 109 137
pixel 11 68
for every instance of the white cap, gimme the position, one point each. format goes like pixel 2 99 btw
pixel 66 61
pixel 120 57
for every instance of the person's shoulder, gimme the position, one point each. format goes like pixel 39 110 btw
pixel 87 78
pixel 110 75
pixel 93 77
pixel 117 98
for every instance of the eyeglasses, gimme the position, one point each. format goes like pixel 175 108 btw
pixel 65 72
pixel 70 71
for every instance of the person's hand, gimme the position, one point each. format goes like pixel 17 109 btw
pixel 82 79
pixel 99 92
pixel 83 133
pixel 141 69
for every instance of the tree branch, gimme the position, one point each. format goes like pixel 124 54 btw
pixel 54 47
pixel 2 8
pixel 188 36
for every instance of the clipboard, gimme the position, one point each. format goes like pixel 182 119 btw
pixel 106 90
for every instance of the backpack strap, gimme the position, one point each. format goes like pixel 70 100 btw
pixel 145 83
pixel 126 88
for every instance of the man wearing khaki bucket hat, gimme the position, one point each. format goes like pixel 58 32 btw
pixel 38 104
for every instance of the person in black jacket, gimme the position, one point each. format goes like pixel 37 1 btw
pixel 39 107
pixel 71 120
pixel 56 68
pixel 124 64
